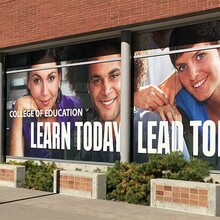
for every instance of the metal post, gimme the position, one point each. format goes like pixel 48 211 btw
pixel 1 108
pixel 125 96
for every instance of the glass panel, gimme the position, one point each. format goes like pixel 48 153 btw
pixel 70 113
pixel 193 88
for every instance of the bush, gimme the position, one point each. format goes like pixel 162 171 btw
pixel 194 170
pixel 37 176
pixel 130 182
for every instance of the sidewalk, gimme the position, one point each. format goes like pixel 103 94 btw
pixel 36 205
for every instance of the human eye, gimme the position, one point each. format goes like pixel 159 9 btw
pixel 200 56
pixel 181 68
pixel 115 75
pixel 51 78
pixel 37 81
pixel 96 81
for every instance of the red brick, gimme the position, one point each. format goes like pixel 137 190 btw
pixel 167 194
pixel 89 180
pixel 11 179
pixel 77 187
pixel 167 188
pixel 194 191
pixel 159 198
pixel 194 197
pixel 176 195
pixel 71 178
pixel 160 187
pixel 65 185
pixel 77 183
pixel 194 202
pixel 89 189
pixel 203 198
pixel 77 179
pixel 176 200
pixel 65 182
pixel 176 189
pixel 203 203
pixel 159 192
pixel 167 199
pixel 24 22
pixel 184 201
pixel 184 190
pixel 185 195
pixel 203 192
pixel 64 177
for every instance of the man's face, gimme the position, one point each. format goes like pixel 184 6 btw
pixel 104 85
pixel 199 71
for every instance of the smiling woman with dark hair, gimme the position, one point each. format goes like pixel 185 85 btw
pixel 43 83
pixel 198 73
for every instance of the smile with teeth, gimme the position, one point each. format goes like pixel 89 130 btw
pixel 109 102
pixel 198 84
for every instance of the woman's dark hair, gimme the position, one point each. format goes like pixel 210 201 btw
pixel 44 56
pixel 183 37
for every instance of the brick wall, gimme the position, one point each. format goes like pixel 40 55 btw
pixel 12 175
pixel 76 183
pixel 79 183
pixel 182 195
pixel 7 175
pixel 29 21
pixel 196 197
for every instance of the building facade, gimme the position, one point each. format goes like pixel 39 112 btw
pixel 110 126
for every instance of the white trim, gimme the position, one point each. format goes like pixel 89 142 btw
pixel 117 59
pixel 64 65
pixel 177 51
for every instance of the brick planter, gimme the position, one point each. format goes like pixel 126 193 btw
pixel 12 175
pixel 195 197
pixel 78 183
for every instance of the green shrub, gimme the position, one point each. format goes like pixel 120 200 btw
pixel 194 170
pixel 38 176
pixel 130 182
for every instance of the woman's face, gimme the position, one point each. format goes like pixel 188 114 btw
pixel 199 71
pixel 43 85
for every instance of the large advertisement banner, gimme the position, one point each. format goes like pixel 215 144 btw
pixel 181 88
pixel 73 112
pixel 70 113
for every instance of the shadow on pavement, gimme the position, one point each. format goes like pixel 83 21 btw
pixel 27 198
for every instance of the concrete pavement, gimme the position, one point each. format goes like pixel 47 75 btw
pixel 36 205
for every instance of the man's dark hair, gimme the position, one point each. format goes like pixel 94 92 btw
pixel 107 47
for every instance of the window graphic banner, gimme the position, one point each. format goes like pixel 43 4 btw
pixel 70 113
pixel 180 85
pixel 73 112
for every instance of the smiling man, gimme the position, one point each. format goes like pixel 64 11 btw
pixel 104 85
pixel 101 137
